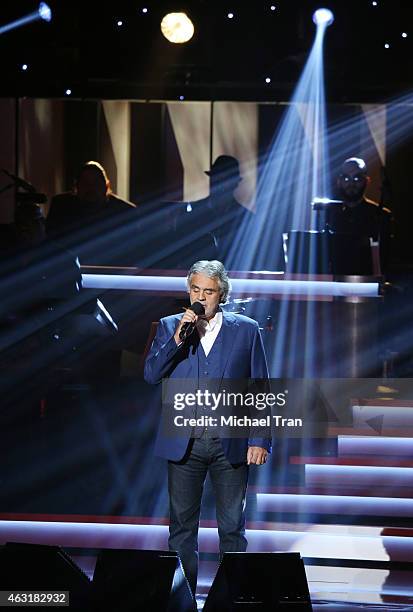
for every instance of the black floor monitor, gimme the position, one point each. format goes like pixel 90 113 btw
pixel 259 582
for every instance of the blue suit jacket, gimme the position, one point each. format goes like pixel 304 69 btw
pixel 241 357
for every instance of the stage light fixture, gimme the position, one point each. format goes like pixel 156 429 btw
pixel 230 15
pixel 182 98
pixel 144 10
pixel 374 3
pixel 68 92
pixel 268 80
pixel 177 28
pixel 119 23
pixel 24 67
pixel 42 12
pixel 273 7
pixel 387 46
pixel 323 16
pixel 45 11
pixel 404 34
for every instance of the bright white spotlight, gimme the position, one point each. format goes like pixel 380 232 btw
pixel 177 27
pixel 323 16
pixel 44 11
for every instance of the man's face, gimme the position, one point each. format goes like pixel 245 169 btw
pixel 205 290
pixel 352 183
pixel 91 186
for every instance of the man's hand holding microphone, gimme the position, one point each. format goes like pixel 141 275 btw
pixel 187 323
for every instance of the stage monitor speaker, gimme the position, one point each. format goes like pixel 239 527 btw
pixel 36 567
pixel 137 580
pixel 259 582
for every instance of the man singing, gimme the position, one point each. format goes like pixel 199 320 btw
pixel 223 345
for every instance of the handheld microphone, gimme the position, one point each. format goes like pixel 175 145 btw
pixel 188 328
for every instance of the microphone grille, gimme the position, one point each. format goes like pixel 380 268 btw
pixel 198 308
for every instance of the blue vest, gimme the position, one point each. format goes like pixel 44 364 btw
pixel 208 368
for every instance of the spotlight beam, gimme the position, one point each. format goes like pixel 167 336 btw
pixel 294 172
pixel 43 12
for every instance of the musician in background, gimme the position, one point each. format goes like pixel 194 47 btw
pixel 358 215
pixel 92 221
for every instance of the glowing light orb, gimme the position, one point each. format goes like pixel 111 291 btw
pixel 323 16
pixel 177 27
pixel 44 11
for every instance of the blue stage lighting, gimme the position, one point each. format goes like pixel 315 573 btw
pixel 323 16
pixel 44 11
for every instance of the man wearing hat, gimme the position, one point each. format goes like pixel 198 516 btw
pixel 221 212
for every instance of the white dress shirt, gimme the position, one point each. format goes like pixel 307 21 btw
pixel 209 330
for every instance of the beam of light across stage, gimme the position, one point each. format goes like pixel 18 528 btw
pixel 335 504
pixel 328 541
pixel 43 12
pixel 266 288
pixel 377 130
pixel 293 172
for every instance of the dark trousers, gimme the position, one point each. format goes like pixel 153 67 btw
pixel 185 485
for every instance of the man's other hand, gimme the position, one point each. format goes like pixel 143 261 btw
pixel 256 455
